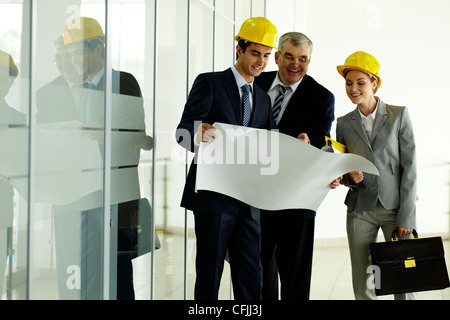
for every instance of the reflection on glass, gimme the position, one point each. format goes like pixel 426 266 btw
pixel 70 115
pixel 12 123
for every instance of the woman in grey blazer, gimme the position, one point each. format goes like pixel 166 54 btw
pixel 383 134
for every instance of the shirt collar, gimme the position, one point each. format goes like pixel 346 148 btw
pixel 97 77
pixel 240 81
pixel 277 81
pixel 372 115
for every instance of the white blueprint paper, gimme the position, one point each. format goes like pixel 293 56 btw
pixel 270 170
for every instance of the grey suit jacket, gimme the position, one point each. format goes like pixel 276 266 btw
pixel 393 151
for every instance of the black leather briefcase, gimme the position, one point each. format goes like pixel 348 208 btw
pixel 411 265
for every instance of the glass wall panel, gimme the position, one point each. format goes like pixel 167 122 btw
pixel 14 143
pixel 259 8
pixel 201 28
pixel 131 52
pixel 243 11
pixel 200 59
pixel 169 173
pixel 68 145
pixel 89 116
pixel 224 51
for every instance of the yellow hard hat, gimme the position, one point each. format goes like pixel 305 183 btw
pixel 6 61
pixel 259 30
pixel 361 61
pixel 81 29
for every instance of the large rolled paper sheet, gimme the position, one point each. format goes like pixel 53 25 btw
pixel 270 170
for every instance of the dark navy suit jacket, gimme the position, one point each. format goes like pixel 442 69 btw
pixel 214 97
pixel 310 110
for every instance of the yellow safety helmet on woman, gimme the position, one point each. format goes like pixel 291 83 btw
pixel 259 30
pixel 361 61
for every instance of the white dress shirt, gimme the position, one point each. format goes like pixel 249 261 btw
pixel 367 122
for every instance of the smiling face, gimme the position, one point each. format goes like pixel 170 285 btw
pixel 86 61
pixel 63 61
pixel 252 62
pixel 360 87
pixel 293 62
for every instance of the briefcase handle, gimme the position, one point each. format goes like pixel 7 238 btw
pixel 394 236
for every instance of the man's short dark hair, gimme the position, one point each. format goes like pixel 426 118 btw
pixel 243 44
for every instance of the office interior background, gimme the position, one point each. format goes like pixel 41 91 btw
pixel 165 45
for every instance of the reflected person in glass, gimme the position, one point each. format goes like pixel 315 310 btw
pixel 9 118
pixel 85 41
pixel 84 48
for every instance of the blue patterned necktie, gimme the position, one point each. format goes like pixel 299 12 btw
pixel 246 89
pixel 278 101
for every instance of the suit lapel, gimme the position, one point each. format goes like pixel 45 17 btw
pixel 295 104
pixel 256 105
pixel 357 126
pixel 265 79
pixel 297 96
pixel 380 119
pixel 233 93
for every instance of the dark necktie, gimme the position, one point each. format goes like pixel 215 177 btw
pixel 278 101
pixel 246 89
pixel 88 85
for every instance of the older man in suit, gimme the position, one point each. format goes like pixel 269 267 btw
pixel 222 223
pixel 305 109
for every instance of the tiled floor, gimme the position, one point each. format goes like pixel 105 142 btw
pixel 331 275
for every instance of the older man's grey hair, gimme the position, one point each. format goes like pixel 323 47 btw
pixel 297 38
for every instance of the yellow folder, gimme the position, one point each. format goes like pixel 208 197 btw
pixel 338 146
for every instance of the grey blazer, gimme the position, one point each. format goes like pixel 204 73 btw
pixel 393 151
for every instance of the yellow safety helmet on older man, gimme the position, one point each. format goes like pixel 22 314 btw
pixel 259 30
pixel 361 61
pixel 82 28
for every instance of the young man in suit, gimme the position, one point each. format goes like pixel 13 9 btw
pixel 305 111
pixel 222 223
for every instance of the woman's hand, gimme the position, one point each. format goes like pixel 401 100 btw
pixel 404 231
